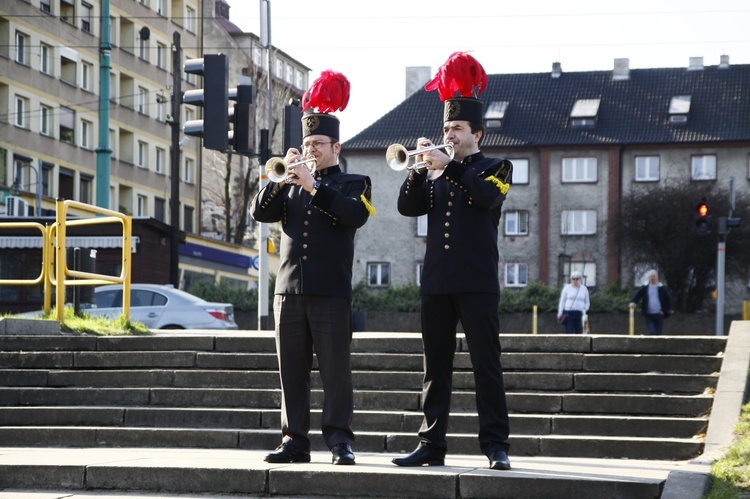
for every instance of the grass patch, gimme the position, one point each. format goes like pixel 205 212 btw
pixel 730 475
pixel 84 323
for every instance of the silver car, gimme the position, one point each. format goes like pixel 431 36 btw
pixel 162 306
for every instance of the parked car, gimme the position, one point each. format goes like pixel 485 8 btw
pixel 162 306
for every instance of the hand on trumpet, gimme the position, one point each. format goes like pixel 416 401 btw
pixel 299 172
pixel 433 159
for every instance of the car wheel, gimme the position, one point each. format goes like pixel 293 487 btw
pixel 172 326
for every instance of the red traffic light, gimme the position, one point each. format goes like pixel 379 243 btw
pixel 702 209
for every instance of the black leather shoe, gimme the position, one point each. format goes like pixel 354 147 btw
pixel 424 455
pixel 342 454
pixel 499 460
pixel 288 453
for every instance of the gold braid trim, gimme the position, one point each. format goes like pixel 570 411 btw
pixel 370 208
pixel 498 183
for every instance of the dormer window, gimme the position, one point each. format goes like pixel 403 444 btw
pixel 679 108
pixel 495 114
pixel 584 112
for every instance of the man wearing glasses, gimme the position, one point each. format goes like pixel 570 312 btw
pixel 320 211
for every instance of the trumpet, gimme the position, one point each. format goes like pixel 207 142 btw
pixel 279 171
pixel 398 156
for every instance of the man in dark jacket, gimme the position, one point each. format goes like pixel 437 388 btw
pixel 657 302
pixel 320 212
pixel 463 199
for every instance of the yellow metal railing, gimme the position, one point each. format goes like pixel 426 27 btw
pixel 54 268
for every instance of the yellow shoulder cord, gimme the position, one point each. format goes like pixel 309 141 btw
pixel 498 183
pixel 370 208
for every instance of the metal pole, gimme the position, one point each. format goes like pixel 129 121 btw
pixel 174 200
pixel 103 152
pixel 265 29
pixel 720 260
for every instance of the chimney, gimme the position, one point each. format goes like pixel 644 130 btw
pixel 622 69
pixel 696 64
pixel 416 78
pixel 724 64
pixel 556 70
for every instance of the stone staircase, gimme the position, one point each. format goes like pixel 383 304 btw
pixel 608 396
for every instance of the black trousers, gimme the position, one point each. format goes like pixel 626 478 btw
pixel 307 324
pixel 478 314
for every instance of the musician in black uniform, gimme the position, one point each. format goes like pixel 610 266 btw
pixel 462 198
pixel 320 213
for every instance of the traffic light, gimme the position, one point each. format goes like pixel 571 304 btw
pixel 242 135
pixel 702 219
pixel 214 97
pixel 292 124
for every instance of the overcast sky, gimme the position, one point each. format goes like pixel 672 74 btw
pixel 372 43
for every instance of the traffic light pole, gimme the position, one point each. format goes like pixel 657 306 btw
pixel 265 146
pixel 720 264
pixel 174 164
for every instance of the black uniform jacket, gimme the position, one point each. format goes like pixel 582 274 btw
pixel 463 213
pixel 317 243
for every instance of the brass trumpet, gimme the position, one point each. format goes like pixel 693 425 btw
pixel 278 171
pixel 398 156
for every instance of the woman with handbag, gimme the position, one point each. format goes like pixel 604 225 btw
pixel 574 302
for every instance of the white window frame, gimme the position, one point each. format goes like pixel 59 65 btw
pixel 703 167
pixel 161 55
pixel 422 226
pixel 142 97
pixel 516 222
pixel 378 274
pixel 190 18
pixel 22 109
pixel 85 14
pixel 578 222
pixel 160 7
pixel 45 58
pixel 516 275
pixel 520 171
pixel 86 128
pixel 188 169
pixel 142 156
pixel 87 72
pixel 141 205
pixel 161 159
pixel 647 168
pixel 161 106
pixel 582 169
pixel 22 48
pixel 45 120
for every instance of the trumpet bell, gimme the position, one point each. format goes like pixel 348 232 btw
pixel 276 170
pixel 397 157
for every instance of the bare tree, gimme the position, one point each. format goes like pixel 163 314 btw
pixel 657 225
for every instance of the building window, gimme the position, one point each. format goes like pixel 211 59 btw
pixel 160 7
pixel 142 47
pixel 584 112
pixel 290 74
pixel 578 222
pixel 22 109
pixel 299 79
pixel 679 108
pixel 84 194
pixel 379 274
pixel 67 11
pixel 495 114
pixel 48 171
pixel 65 183
pixel 68 70
pixel 45 6
pixel 516 275
pixel 579 169
pixel 190 19
pixel 45 117
pixel 517 223
pixel 160 209
pixel 22 48
pixel 142 96
pixel 420 269
pixel 422 225
pixel 187 218
pixel 703 167
pixel 161 55
pixel 188 171
pixel 161 107
pixel 161 158
pixel 279 68
pixel 67 124
pixel 142 159
pixel 520 174
pixel 86 128
pixel 646 168
pixel 141 210
pixel 45 58
pixel 87 70
pixel 86 17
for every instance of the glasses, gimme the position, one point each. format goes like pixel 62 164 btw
pixel 576 278
pixel 314 145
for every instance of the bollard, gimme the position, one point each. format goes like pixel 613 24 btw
pixel 632 321
pixel 534 322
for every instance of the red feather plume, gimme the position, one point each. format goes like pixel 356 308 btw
pixel 461 73
pixel 328 93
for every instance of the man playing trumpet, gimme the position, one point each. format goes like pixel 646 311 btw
pixel 462 197
pixel 320 212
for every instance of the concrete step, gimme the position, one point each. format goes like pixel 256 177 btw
pixel 243 473
pixel 372 421
pixel 522 445
pixel 372 380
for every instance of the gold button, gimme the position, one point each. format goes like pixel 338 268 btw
pixel 450 203
pixel 307 222
pixel 304 234
pixel 452 194
pixel 446 235
pixel 304 246
pixel 447 213
pixel 447 246
pixel 304 257
pixel 309 212
pixel 447 224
